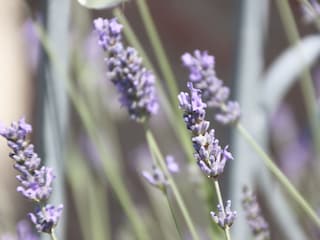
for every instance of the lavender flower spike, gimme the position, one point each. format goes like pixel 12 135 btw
pixel 36 180
pixel 215 95
pixel 124 68
pixel 210 156
pixel 225 217
pixel 257 223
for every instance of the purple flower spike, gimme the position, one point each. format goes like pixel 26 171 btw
pixel 255 219
pixel 225 217
pixel 214 94
pixel 35 180
pixel 210 156
pixel 125 70
pixel 47 218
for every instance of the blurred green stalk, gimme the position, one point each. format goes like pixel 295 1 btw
pixel 280 176
pixel 109 167
pixel 161 162
pixel 173 117
pixel 307 87
pixel 218 191
pixel 159 50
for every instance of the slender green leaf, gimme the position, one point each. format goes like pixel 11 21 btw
pixel 284 72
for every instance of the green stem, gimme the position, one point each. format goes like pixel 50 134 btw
pixel 161 162
pixel 159 50
pixel 280 176
pixel 174 119
pixel 220 200
pixel 53 235
pixel 306 83
pixel 114 177
pixel 173 215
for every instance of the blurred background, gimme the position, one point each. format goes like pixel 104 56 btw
pixel 61 90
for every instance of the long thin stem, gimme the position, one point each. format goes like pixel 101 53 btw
pixel 173 215
pixel 280 176
pixel 306 83
pixel 174 119
pixel 161 162
pixel 159 50
pixel 220 200
pixel 114 177
pixel 53 235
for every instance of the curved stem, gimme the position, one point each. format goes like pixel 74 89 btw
pixel 307 87
pixel 53 235
pixel 219 195
pixel 111 172
pixel 161 162
pixel 174 119
pixel 280 176
pixel 173 215
pixel 159 50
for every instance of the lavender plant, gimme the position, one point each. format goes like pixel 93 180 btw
pixel 35 179
pixel 135 85
pixel 210 156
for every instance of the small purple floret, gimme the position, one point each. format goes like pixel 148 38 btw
pixel 224 217
pixel 157 178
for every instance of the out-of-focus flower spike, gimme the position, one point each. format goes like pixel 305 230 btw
pixel 202 74
pixel 157 178
pixel 257 223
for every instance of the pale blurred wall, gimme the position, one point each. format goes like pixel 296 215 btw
pixel 15 99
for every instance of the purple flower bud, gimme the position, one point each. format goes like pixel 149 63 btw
pixel 47 218
pixel 172 164
pixel 156 178
pixel 224 217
